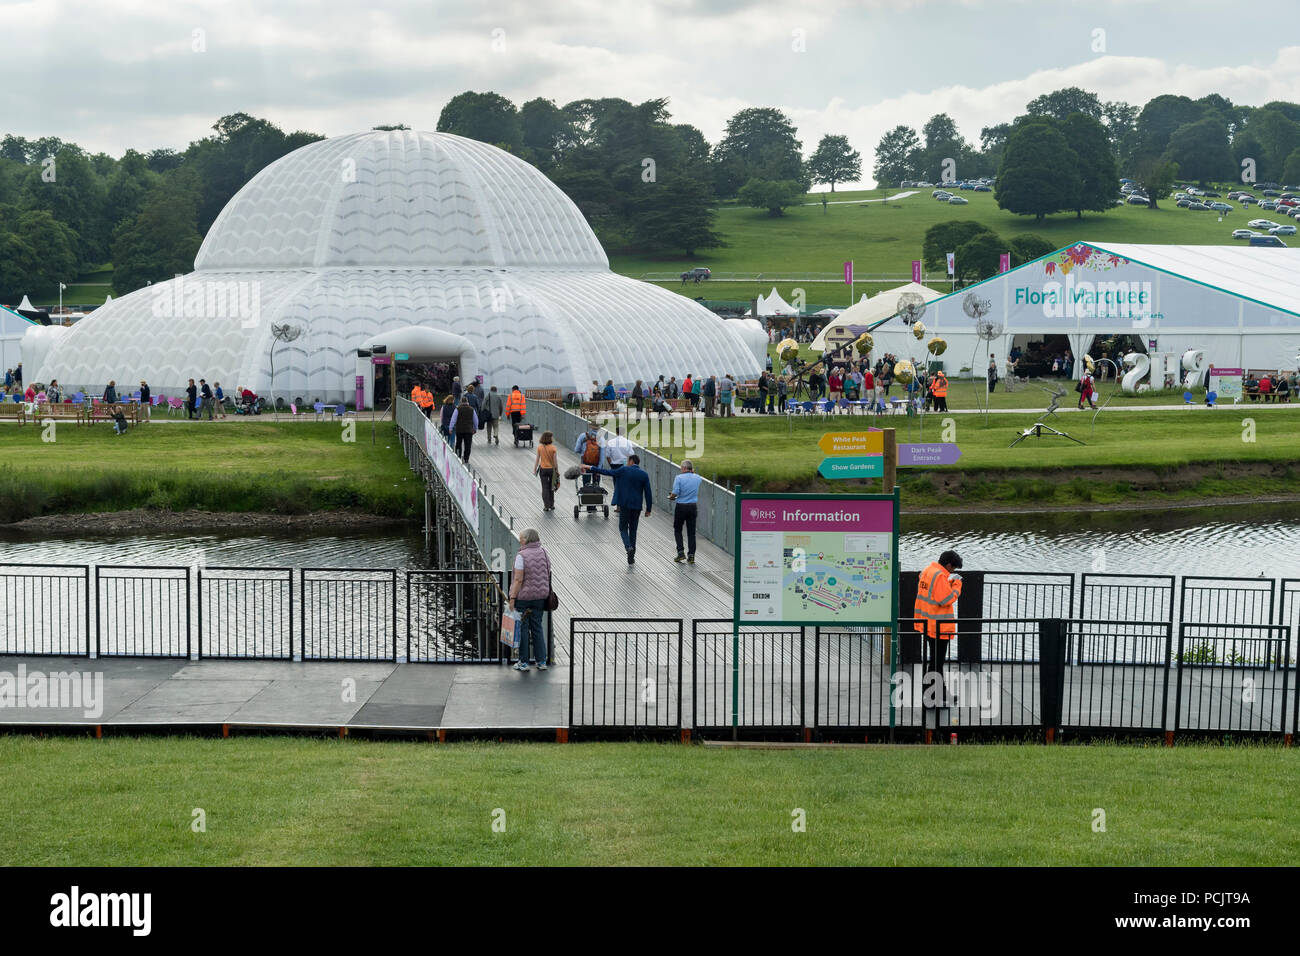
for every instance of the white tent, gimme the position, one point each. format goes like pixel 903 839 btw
pixel 773 304
pixel 856 319
pixel 1239 304
pixel 12 329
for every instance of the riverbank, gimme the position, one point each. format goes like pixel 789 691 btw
pixel 149 520
pixel 175 474
pixel 1135 459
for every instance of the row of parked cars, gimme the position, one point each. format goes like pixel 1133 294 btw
pixel 944 195
pixel 972 185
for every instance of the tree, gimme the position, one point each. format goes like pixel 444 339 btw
pixel 896 154
pixel 772 195
pixel 835 161
pixel 1027 247
pixel 1155 177
pixel 545 130
pixel 979 256
pixel 943 143
pixel 486 117
pixel 1246 146
pixel 1121 127
pixel 1039 174
pixel 162 241
pixel 164 160
pixel 1278 135
pixel 675 213
pixel 1201 151
pixel 74 196
pixel 1061 103
pixel 945 237
pixel 759 143
pixel 1098 178
pixel 1291 168
pixel 1158 120
pixel 391 128
pixel 127 186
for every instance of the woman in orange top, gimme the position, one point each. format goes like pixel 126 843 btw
pixel 544 465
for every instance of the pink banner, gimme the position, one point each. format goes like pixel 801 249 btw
pixel 815 514
pixel 1004 262
pixel 848 272
pixel 916 270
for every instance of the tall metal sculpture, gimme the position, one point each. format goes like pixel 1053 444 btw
pixel 280 333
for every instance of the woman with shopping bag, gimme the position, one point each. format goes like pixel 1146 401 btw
pixel 531 597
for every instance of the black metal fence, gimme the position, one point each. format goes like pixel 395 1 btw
pixel 453 615
pixel 625 676
pixel 767 692
pixel 246 613
pixel 45 609
pixel 142 611
pixel 348 615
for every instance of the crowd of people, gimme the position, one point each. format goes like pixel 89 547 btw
pixel 1271 388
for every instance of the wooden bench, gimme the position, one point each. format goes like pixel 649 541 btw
pixel 553 395
pixel 16 410
pixel 588 409
pixel 1258 396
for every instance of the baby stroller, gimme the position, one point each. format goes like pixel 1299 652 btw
pixel 591 497
pixel 523 434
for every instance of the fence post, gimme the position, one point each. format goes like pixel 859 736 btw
pixel 1051 673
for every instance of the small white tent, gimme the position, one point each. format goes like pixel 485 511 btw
pixel 12 329
pixel 773 304
pixel 856 319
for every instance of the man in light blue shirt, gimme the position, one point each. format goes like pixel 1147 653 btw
pixel 686 496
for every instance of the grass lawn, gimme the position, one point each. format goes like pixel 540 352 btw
pixel 289 467
pixel 885 238
pixel 1139 453
pixel 270 801
pixel 89 288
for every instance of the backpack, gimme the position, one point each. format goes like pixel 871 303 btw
pixel 591 452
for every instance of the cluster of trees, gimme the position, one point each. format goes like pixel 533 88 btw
pixel 1069 148
pixel 977 249
pixel 64 210
pixel 647 184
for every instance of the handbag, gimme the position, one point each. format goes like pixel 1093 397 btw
pixel 552 599
pixel 510 628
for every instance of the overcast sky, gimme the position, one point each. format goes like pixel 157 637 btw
pixel 112 74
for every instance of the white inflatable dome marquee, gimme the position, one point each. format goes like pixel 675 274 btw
pixel 350 238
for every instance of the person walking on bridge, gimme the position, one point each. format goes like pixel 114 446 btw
pixel 463 424
pixel 937 591
pixel 516 405
pixel 686 498
pixel 494 410
pixel 631 483
pixel 530 586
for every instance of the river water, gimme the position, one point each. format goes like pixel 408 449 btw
pixel 1238 542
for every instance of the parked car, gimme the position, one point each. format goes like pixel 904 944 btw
pixel 1198 205
pixel 1136 200
pixel 1221 206
pixel 959 200
pixel 1291 195
pixel 1272 241
pixel 1261 224
pixel 1267 204
pixel 966 186
pixel 984 188
pixel 1211 194
pixel 1272 192
pixel 924 185
pixel 1244 234
pixel 1248 199
pixel 1178 196
pixel 1282 231
pixel 1183 203
pixel 940 192
pixel 699 272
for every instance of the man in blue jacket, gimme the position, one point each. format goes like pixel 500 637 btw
pixel 630 484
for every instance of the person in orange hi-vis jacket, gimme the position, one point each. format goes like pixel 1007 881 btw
pixel 937 591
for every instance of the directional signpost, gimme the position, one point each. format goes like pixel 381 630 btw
pixel 931 453
pixel 862 454
pixel 853 466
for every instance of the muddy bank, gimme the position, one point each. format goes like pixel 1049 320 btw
pixel 146 519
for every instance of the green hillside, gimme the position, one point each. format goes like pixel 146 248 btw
pixel 886 237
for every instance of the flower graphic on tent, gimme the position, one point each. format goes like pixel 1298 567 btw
pixel 1080 255
pixel 1049 268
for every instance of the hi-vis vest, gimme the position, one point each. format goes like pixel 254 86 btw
pixel 940 389
pixel 516 403
pixel 936 603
